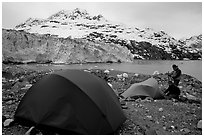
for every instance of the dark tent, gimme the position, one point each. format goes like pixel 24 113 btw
pixel 147 88
pixel 73 101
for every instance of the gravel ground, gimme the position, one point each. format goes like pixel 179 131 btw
pixel 144 116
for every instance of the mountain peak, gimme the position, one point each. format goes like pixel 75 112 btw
pixel 77 13
pixel 65 14
pixel 80 11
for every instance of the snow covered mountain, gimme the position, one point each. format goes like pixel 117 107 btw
pixel 64 24
pixel 144 43
pixel 79 23
pixel 193 44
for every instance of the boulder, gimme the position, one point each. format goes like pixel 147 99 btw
pixel 136 75
pixel 186 130
pixel 156 73
pixel 7 122
pixel 106 71
pixel 119 76
pixel 110 85
pixel 199 125
pixel 125 75
pixel 190 97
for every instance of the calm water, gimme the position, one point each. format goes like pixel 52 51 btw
pixel 193 68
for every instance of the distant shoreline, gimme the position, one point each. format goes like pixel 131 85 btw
pixel 143 67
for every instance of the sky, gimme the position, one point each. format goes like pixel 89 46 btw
pixel 178 19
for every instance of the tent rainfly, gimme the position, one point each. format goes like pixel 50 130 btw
pixel 72 101
pixel 147 88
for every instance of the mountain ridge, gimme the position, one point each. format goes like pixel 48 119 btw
pixel 79 24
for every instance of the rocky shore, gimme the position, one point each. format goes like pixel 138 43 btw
pixel 144 116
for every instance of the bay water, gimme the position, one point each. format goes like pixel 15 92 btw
pixel 193 68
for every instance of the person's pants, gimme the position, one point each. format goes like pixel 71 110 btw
pixel 170 96
pixel 176 82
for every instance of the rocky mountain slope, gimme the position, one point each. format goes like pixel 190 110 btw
pixel 193 44
pixel 79 24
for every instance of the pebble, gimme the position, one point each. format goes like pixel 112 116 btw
pixel 129 99
pixel 157 122
pixel 138 100
pixel 3 79
pixel 110 85
pixel 186 130
pixel 199 125
pixel 136 110
pixel 107 71
pixel 30 131
pixel 150 117
pixel 119 76
pixel 87 71
pixel 191 97
pixel 7 116
pixel 161 109
pixel 7 122
pixel 9 102
pixel 150 132
pixel 156 73
pixel 173 100
pixel 175 104
pixel 148 99
pixel 11 80
pixel 147 111
pixel 136 75
pixel 124 107
pixel 139 133
pixel 180 87
pixel 27 86
pixel 140 106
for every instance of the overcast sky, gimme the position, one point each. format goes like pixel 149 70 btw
pixel 177 19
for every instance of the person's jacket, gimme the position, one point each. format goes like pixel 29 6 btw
pixel 176 74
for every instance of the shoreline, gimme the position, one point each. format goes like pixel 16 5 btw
pixel 140 66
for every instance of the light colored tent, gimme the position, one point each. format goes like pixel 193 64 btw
pixel 148 88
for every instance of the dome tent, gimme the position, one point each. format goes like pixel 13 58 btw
pixel 73 101
pixel 147 88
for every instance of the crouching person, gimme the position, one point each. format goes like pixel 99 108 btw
pixel 172 92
